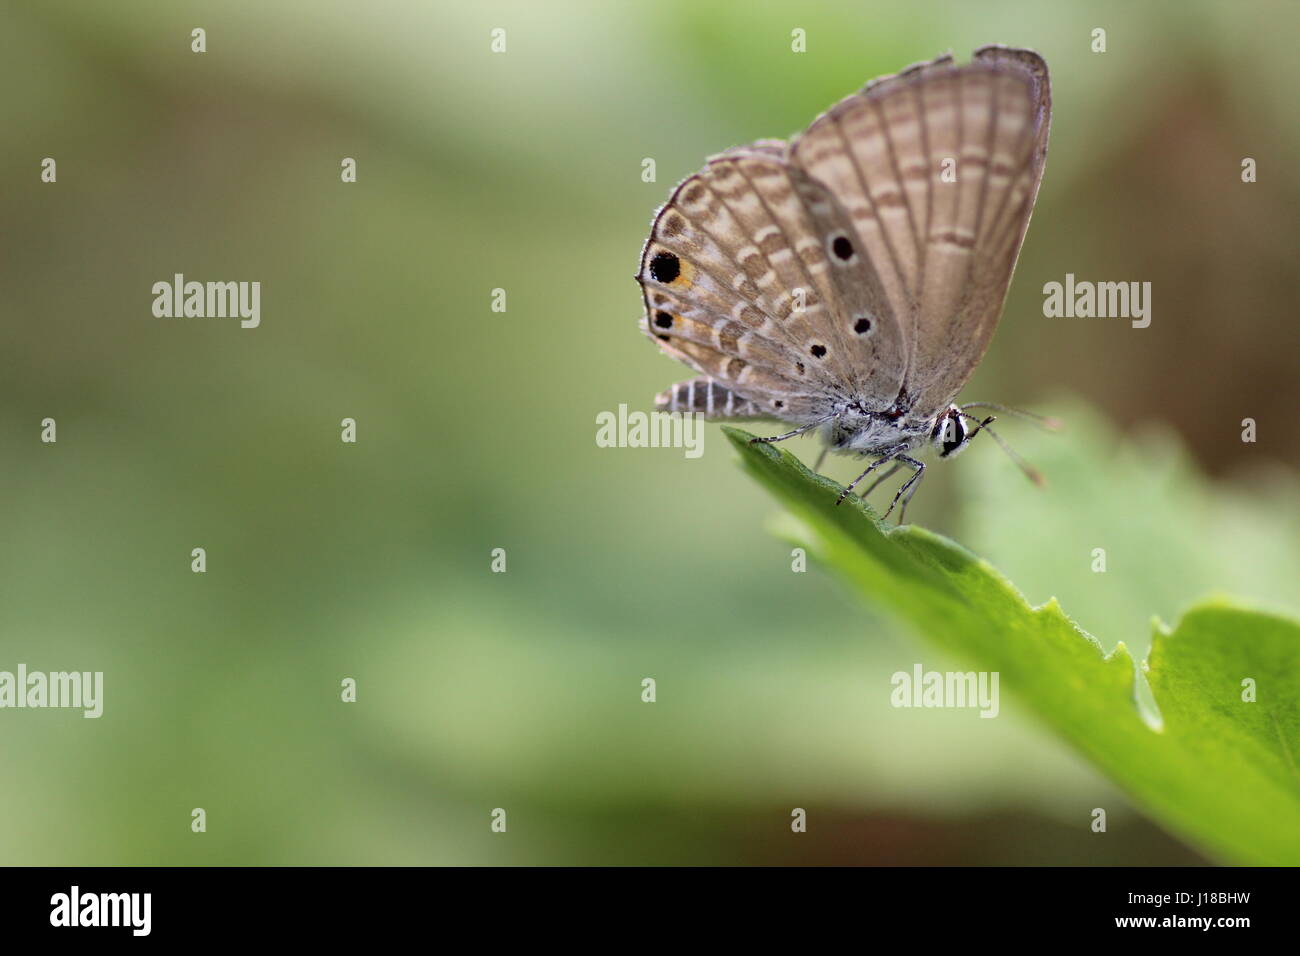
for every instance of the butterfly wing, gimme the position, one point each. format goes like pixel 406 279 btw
pixel 742 284
pixel 938 168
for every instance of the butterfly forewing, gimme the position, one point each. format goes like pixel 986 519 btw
pixel 969 261
pixel 938 167
pixel 847 149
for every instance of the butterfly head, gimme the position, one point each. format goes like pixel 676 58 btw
pixel 949 435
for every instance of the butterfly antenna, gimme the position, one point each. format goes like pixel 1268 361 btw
pixel 1042 421
pixel 1032 473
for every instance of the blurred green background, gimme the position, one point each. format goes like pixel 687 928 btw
pixel 476 431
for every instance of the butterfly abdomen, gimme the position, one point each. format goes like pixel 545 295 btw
pixel 706 396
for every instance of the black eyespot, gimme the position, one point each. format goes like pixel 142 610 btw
pixel 842 248
pixel 663 320
pixel 862 326
pixel 818 351
pixel 798 367
pixel 778 404
pixel 662 337
pixel 665 267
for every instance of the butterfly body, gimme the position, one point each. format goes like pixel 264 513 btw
pixel 857 431
pixel 851 279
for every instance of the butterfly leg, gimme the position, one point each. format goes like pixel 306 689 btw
pixel 885 477
pixel 912 483
pixel 798 431
pixel 889 456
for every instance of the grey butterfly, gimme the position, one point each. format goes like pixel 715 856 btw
pixel 850 280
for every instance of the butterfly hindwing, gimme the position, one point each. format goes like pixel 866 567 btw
pixel 743 282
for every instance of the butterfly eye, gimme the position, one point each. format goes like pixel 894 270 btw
pixel 842 248
pixel 950 435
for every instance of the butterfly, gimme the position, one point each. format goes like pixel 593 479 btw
pixel 850 280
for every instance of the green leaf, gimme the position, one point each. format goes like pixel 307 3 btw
pixel 1218 770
